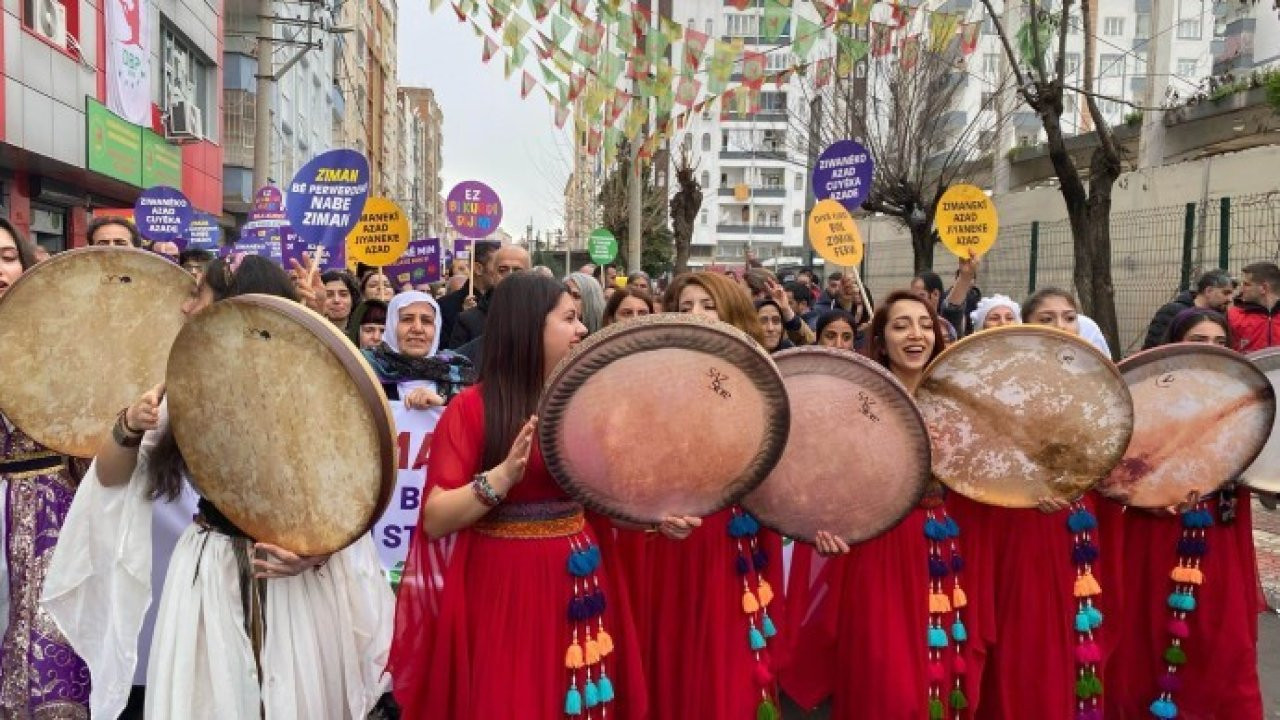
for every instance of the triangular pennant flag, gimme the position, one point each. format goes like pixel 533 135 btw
pixel 942 27
pixel 673 30
pixel 822 74
pixel 515 31
pixel 635 119
pixel 881 39
pixel 687 90
pixel 827 12
pixel 729 103
pixel 579 8
pixel 695 44
pixel 475 28
pixel 434 5
pixel 807 33
pixel 498 11
pixel 610 68
pixel 593 141
pixel 721 65
pixel 616 107
pixel 457 10
pixel 560 30
pixel 665 95
pixel 656 45
pixel 490 47
pixel 544 46
pixel 740 5
pixel 910 53
pixel 752 69
pixel 541 8
pixel 612 138
pixel 848 52
pixel 641 20
pixel 774 21
pixel 589 38
pixel 860 11
pixel 526 85
pixel 969 34
pixel 548 75
pixel 562 114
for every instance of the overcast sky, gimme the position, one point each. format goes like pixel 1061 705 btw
pixel 490 134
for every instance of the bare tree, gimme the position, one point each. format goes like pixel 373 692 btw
pixel 685 204
pixel 615 216
pixel 1041 87
pixel 911 118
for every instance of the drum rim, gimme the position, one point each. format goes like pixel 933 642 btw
pixel 54 265
pixel 1263 358
pixel 367 386
pixel 587 359
pixel 1032 330
pixel 1142 359
pixel 859 360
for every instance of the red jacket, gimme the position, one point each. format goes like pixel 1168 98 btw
pixel 1253 327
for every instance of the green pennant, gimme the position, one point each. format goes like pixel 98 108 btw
pixel 722 59
pixel 773 24
pixel 549 76
pixel 611 67
pixel 518 55
pixel 848 52
pixel 501 9
pixel 623 37
pixel 540 9
pixel 515 31
pixel 560 30
pixel 656 45
pixel 807 33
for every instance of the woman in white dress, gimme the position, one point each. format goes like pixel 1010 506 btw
pixel 327 620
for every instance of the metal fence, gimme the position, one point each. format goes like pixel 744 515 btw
pixel 1155 253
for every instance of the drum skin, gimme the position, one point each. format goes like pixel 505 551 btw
pixel 1264 472
pixel 283 426
pixel 83 335
pixel 1022 413
pixel 667 415
pixel 1201 414
pixel 857 456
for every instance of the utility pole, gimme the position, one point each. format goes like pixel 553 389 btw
pixel 1159 51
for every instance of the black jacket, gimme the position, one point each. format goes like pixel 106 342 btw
pixel 470 324
pixel 450 309
pixel 1159 326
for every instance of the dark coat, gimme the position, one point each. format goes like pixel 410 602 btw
pixel 1159 326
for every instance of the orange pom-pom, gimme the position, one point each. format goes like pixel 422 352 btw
pixel 958 598
pixel 593 652
pixel 1087 586
pixel 573 657
pixel 605 641
pixel 939 603
pixel 749 603
pixel 765 593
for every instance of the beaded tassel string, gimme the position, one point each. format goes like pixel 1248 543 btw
pixel 751 562
pixel 945 562
pixel 585 658
pixel 1084 553
pixel 1186 577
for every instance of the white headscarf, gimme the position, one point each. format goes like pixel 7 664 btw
pixel 1090 331
pixel 987 304
pixel 397 304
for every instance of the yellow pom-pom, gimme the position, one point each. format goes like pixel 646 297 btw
pixel 765 593
pixel 593 652
pixel 749 603
pixel 958 598
pixel 605 641
pixel 1087 586
pixel 1194 576
pixel 939 603
pixel 573 657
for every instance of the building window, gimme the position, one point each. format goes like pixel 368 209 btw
pixel 186 78
pixel 692 24
pixel 745 26
pixel 705 179
pixel 1073 63
pixel 990 63
pixel 799 184
pixel 706 142
pixel 797 218
pixel 724 140
pixel 1189 29
pixel 778 61
pixel 988 100
pixel 1111 66
pixel 775 102
pixel 711 28
pixel 1113 26
pixel 1142 26
pixel 1187 68
pixel 860 70
pixel 702 217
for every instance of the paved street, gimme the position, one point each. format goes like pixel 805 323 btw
pixel 1266 537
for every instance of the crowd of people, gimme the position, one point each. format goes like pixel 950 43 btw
pixel 118 602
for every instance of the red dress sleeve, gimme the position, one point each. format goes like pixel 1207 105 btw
pixel 457 446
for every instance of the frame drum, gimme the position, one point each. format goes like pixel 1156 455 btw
pixel 284 427
pixel 857 457
pixel 663 415
pixel 84 334
pixel 1025 412
pixel 1264 472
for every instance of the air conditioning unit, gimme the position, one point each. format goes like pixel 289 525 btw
pixel 184 122
pixel 51 21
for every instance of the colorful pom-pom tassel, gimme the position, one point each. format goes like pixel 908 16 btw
pixel 935 530
pixel 958 700
pixel 605 688
pixel 957 563
pixel 1081 520
pixel 1175 655
pixel 760 560
pixel 936 710
pixel 952 529
pixel 1170 683
pixel 573 659
pixel 958 665
pixel 744 565
pixel 756 639
pixel 937 567
pixel 605 640
pixel 1087 586
pixel 573 701
pixel 937 637
pixel 958 632
pixel 1082 622
pixel 1182 601
pixel 765 593
pixel 1084 552
pixel 1087 653
pixel 937 673
pixel 1163 708
pixel 767 626
pixel 958 598
pixel 1094 615
pixel 939 603
pixel 767 710
pixel 592 654
pixel 590 694
pixel 749 603
pixel 763 675
pixel 1179 629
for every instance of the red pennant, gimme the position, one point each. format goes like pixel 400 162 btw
pixel 881 39
pixel 462 17
pixel 490 47
pixel 969 34
pixel 527 84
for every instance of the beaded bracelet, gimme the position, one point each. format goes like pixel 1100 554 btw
pixel 124 435
pixel 484 491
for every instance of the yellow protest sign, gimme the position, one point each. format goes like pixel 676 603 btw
pixel 966 221
pixel 381 236
pixel 834 235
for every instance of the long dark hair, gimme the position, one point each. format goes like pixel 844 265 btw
pixel 615 302
pixel 1191 317
pixel 26 251
pixel 254 275
pixel 512 372
pixel 876 348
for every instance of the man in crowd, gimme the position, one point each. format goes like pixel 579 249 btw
pixel 928 287
pixel 639 279
pixel 802 303
pixel 1254 320
pixel 457 300
pixel 193 261
pixel 111 230
pixel 1213 291
pixel 470 324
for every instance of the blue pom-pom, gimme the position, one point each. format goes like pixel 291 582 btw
pixel 756 639
pixel 578 609
pixel 1164 709
pixel 750 523
pixel 736 529
pixel 1095 617
pixel 1197 519
pixel 935 530
pixel 760 559
pixel 579 565
pixel 1182 601
pixel 744 566
pixel 937 637
pixel 937 567
pixel 949 524
pixel 1082 622
pixel 957 563
pixel 766 624
pixel 1084 553
pixel 605 687
pixel 591 694
pixel 593 557
pixel 958 632
pixel 573 702
pixel 1081 520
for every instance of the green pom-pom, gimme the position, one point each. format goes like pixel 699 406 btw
pixel 958 700
pixel 1174 655
pixel 936 711
pixel 767 710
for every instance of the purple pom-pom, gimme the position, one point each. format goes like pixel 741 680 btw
pixel 1170 683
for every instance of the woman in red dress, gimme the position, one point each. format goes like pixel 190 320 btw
pixel 1192 584
pixel 709 606
pixel 505 609
pixel 884 627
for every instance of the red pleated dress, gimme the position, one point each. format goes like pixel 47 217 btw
pixel 1219 680
pixel 483 618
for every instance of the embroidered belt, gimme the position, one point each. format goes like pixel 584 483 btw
pixel 33 464
pixel 531 521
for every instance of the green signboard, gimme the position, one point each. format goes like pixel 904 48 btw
pixel 129 153
pixel 602 246
pixel 115 144
pixel 161 162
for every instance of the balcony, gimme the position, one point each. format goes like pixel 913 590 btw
pixel 764 116
pixel 757 193
pixel 780 155
pixel 339 102
pixel 722 229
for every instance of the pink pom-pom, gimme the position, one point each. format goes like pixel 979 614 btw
pixel 764 677
pixel 1088 652
pixel 936 672
pixel 958 665
pixel 1178 628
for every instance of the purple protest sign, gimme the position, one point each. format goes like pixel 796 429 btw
pixel 162 214
pixel 204 233
pixel 326 198
pixel 268 208
pixel 419 264
pixel 265 241
pixel 843 173
pixel 473 209
pixel 294 245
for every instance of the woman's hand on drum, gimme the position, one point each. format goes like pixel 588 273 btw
pixel 511 471
pixel 144 414
pixel 270 561
pixel 829 545
pixel 678 527
pixel 1049 505
pixel 422 399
